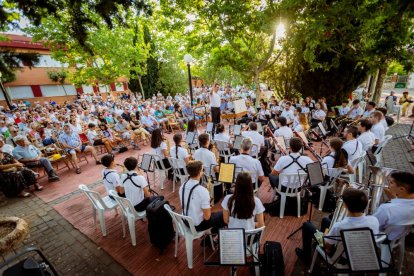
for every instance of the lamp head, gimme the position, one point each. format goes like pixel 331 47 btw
pixel 188 58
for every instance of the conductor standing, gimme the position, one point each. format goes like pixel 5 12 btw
pixel 215 106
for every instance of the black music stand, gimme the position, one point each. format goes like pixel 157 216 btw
pixel 146 166
pixel 314 178
pixel 409 136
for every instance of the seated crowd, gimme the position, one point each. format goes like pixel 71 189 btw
pixel 274 137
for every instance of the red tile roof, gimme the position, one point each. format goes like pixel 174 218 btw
pixel 21 42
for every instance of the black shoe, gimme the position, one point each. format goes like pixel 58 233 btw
pixel 299 253
pixel 53 178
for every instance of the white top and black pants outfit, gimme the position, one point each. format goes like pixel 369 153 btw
pixel 215 109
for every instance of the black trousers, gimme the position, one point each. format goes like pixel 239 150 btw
pixel 215 222
pixel 215 116
pixel 308 232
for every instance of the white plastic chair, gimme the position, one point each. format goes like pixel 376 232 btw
pixel 253 241
pixel 128 213
pixel 378 151
pixel 397 109
pixel 224 150
pixel 334 174
pixel 178 165
pixel 100 205
pixel 357 163
pixel 188 232
pixel 294 182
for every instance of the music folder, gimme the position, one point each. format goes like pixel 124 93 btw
pixel 146 162
pixel 281 142
pixel 273 124
pixel 232 246
pixel 259 127
pixel 226 172
pixel 315 173
pixel 237 129
pixel 209 127
pixel 189 138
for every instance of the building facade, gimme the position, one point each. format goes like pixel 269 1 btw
pixel 32 82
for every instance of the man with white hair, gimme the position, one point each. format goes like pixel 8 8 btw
pixel 248 163
pixel 149 122
pixel 32 157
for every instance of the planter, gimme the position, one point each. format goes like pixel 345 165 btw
pixel 12 232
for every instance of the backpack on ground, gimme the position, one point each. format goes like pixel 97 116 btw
pixel 272 260
pixel 160 225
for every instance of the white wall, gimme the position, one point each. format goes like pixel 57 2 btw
pixel 19 92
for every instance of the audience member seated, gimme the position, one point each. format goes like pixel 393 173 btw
pixel 135 185
pixel 355 202
pixel 291 163
pixel 148 121
pixel 31 156
pixel 73 145
pixel 96 139
pixel 242 209
pixel 15 178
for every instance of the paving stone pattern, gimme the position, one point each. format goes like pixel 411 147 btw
pixel 71 252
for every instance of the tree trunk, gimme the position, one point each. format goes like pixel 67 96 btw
pixel 374 78
pixel 140 86
pixel 380 81
pixel 257 83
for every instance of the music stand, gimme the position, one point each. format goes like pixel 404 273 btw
pixel 189 138
pixel 314 178
pixel 209 127
pixel 238 139
pixel 409 136
pixel 236 130
pixel 272 124
pixel 146 166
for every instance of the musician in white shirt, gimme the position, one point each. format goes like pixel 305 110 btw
pixel 288 113
pixel 344 109
pixel 369 110
pixel 252 133
pixel 296 113
pixel 292 163
pixel 352 146
pixel 318 116
pixel 248 163
pixel 283 129
pixel 366 137
pixel 377 127
pixel 356 111
pixel 215 103
pixel 179 152
pixel 206 156
pixel 220 135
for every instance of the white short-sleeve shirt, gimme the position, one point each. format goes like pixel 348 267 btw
pixel 343 110
pixel 353 223
pixel 200 199
pixel 181 153
pixel 249 164
pixel 355 113
pixel 294 167
pixel 256 137
pixel 353 148
pixel 247 224
pixel 92 135
pixel 111 179
pixel 378 131
pixel 288 114
pixel 397 212
pixel 384 124
pixel 133 193
pixel 367 139
pixel 206 157
pixel 284 131
pixel 159 150
pixel 222 137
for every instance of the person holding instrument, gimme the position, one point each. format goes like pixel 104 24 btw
pixel 338 157
pixel 242 209
pixel 110 175
pixel 178 151
pixel 303 123
pixel 283 130
pixel 405 101
pixel 248 163
pixel 318 116
pixel 352 146
pixel 204 155
pixel 291 163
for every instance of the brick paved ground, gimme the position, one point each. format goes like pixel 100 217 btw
pixel 72 253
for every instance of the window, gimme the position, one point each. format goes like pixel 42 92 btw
pixel 57 90
pixel 87 89
pixel 103 88
pixel 48 61
pixel 19 92
pixel 119 86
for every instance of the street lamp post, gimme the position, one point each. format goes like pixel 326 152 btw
pixel 188 59
pixel 3 90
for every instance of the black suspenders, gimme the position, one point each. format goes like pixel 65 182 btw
pixel 185 213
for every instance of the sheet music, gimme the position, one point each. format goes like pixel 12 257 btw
pixel 259 127
pixel 232 247
pixel 209 127
pixel 239 106
pixel 237 129
pixel 360 249
pixel 237 142
pixel 190 137
pixel 226 173
pixel 146 162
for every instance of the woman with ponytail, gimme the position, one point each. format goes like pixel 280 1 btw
pixel 179 152
pixel 337 158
